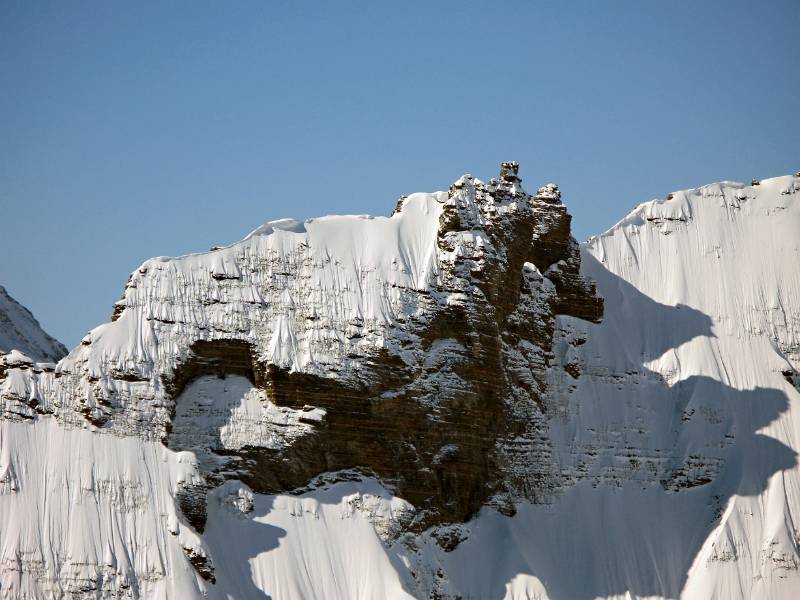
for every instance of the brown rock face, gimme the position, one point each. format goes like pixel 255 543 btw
pixel 456 418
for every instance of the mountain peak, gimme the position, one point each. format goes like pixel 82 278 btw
pixel 20 330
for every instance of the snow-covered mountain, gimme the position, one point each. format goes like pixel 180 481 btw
pixel 437 404
pixel 19 330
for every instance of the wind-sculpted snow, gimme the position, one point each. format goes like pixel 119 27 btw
pixel 427 406
pixel 305 297
pixel 81 512
pixel 727 254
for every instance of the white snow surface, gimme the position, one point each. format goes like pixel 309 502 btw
pixel 334 269
pixel 679 436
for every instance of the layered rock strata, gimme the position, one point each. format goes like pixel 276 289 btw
pixel 414 348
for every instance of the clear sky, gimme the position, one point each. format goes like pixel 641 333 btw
pixel 130 130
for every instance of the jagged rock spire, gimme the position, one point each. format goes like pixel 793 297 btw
pixel 509 171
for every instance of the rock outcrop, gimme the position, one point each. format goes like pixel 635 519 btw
pixel 421 360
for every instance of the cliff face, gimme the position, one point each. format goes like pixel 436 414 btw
pixel 413 348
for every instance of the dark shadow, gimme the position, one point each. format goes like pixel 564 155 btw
pixel 642 328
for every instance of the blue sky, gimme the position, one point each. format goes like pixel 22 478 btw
pixel 130 130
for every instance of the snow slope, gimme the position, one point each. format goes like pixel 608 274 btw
pixel 82 512
pixel 729 255
pixel 675 435
pixel 19 330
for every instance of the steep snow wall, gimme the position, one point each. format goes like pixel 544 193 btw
pixel 719 272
